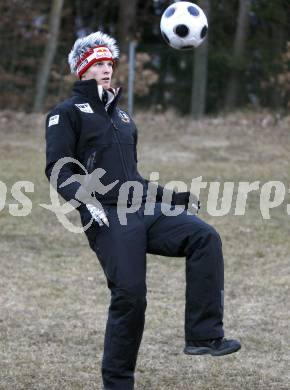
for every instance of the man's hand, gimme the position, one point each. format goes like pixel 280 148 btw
pixel 98 215
pixel 189 200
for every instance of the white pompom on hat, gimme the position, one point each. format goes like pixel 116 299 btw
pixel 92 48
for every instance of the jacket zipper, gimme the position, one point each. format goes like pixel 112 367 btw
pixel 119 145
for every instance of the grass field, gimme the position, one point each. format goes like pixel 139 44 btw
pixel 53 295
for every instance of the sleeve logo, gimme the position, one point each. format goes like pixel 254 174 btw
pixel 53 120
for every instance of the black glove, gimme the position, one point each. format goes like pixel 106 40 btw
pixel 183 199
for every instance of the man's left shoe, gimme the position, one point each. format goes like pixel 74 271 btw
pixel 214 347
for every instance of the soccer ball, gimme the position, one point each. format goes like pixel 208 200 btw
pixel 183 25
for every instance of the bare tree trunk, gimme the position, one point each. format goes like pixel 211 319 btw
pixel 238 53
pixel 278 45
pixel 199 85
pixel 50 50
pixel 126 23
pixel 78 16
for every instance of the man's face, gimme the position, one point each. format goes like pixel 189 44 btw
pixel 100 71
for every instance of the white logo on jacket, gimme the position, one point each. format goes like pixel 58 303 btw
pixel 53 120
pixel 125 117
pixel 85 107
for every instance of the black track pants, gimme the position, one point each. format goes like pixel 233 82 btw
pixel 122 249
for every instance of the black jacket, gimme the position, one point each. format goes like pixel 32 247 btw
pixel 81 128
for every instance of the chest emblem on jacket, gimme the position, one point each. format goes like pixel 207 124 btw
pixel 85 107
pixel 125 117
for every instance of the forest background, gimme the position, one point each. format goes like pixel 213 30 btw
pixel 245 61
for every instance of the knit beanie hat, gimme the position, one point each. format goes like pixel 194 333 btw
pixel 93 48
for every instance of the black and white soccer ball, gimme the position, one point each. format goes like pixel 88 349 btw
pixel 184 25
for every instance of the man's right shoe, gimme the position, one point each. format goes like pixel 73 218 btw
pixel 214 347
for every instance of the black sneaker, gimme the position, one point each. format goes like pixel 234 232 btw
pixel 214 347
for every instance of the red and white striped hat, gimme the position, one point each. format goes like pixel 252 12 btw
pixel 91 49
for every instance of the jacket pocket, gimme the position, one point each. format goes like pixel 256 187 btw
pixel 91 162
pixel 95 157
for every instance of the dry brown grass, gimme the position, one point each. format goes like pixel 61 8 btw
pixel 53 295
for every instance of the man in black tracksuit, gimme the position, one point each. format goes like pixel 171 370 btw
pixel 90 128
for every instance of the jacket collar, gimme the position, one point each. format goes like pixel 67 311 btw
pixel 89 90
